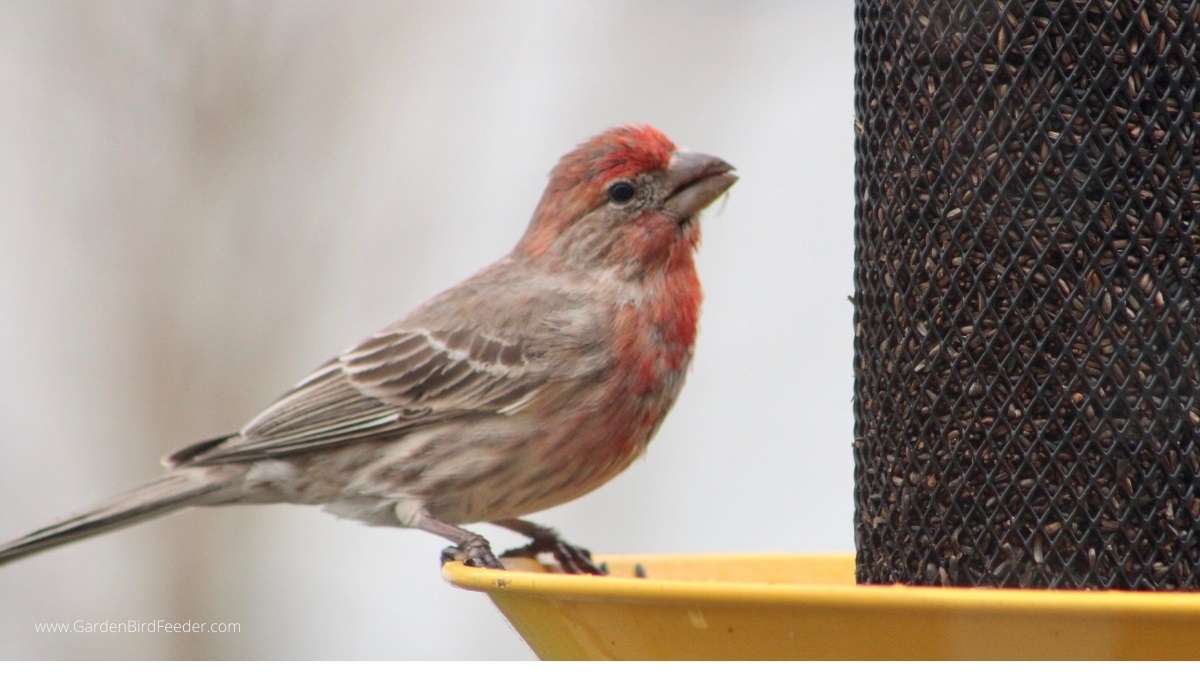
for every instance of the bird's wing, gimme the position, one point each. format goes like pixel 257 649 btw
pixel 394 381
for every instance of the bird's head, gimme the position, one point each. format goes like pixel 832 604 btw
pixel 626 200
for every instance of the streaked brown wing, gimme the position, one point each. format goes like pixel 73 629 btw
pixel 392 382
pixel 460 369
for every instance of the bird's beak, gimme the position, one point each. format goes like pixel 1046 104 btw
pixel 694 181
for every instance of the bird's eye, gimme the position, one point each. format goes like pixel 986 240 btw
pixel 621 192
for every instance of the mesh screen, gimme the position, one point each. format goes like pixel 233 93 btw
pixel 1027 287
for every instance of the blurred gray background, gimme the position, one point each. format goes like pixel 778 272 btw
pixel 201 201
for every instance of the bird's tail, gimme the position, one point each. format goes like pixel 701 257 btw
pixel 171 492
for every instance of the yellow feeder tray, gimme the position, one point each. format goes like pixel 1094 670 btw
pixel 783 606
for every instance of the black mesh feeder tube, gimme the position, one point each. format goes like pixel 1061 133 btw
pixel 1027 293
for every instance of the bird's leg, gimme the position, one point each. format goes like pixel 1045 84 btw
pixel 472 549
pixel 573 559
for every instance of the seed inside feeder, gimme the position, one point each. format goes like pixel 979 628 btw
pixel 1027 402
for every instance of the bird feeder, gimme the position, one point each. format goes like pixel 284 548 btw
pixel 1027 375
pixel 1027 305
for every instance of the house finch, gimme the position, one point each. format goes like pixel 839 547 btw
pixel 527 385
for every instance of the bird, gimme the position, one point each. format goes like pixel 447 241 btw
pixel 528 385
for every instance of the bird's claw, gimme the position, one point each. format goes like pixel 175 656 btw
pixel 476 555
pixel 572 559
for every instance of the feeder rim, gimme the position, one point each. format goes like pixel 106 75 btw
pixel 542 584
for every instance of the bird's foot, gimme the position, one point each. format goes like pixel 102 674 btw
pixel 472 554
pixel 572 559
